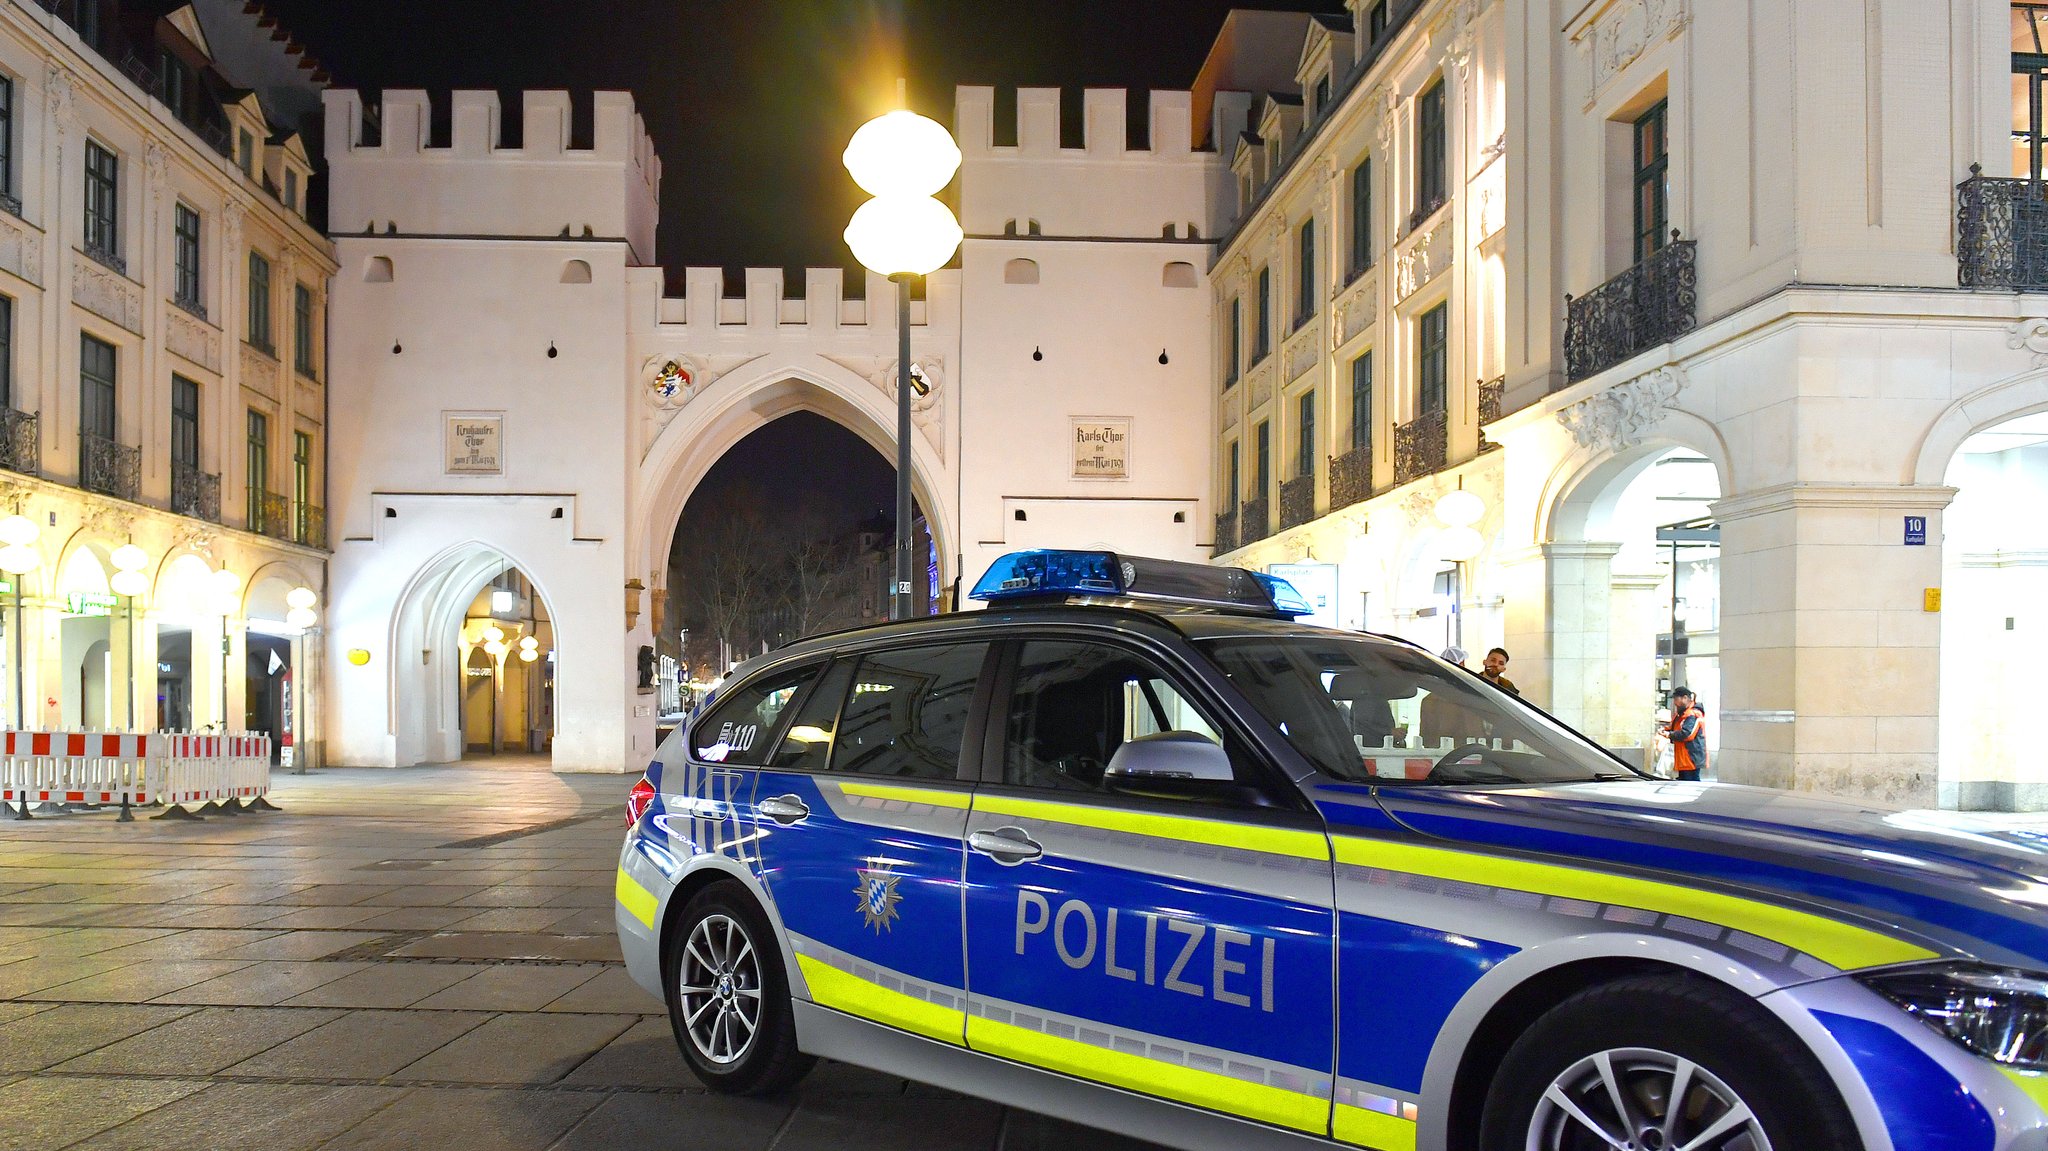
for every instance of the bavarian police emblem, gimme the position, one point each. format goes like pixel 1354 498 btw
pixel 877 894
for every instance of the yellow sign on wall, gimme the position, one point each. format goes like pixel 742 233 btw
pixel 1930 599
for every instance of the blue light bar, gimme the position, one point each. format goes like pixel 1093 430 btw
pixel 1049 574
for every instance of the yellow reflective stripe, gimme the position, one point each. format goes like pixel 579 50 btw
pixel 936 797
pixel 1258 1101
pixel 637 900
pixel 831 987
pixel 1373 1129
pixel 1844 945
pixel 2034 1083
pixel 1270 840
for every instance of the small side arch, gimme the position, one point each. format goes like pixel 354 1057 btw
pixel 1178 274
pixel 1020 271
pixel 576 272
pixel 377 270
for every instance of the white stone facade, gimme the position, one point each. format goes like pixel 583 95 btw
pixel 170 657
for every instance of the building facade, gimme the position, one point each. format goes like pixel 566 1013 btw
pixel 163 299
pixel 1721 310
pixel 503 332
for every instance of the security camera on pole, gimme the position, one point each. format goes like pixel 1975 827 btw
pixel 903 160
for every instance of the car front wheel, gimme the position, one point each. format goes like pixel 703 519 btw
pixel 1662 1063
pixel 728 999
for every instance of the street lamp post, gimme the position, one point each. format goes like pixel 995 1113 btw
pixel 903 160
pixel 129 583
pixel 18 557
pixel 227 587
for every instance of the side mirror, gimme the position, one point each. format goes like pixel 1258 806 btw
pixel 1169 755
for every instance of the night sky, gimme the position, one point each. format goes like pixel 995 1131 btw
pixel 750 103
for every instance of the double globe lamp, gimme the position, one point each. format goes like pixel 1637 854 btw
pixel 903 160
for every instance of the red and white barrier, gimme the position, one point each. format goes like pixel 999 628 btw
pixel 171 768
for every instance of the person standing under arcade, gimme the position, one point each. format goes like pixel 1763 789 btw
pixel 1687 732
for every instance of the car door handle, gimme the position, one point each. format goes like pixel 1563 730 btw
pixel 1005 845
pixel 784 809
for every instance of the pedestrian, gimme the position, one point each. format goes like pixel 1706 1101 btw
pixel 1687 732
pixel 1444 718
pixel 1495 663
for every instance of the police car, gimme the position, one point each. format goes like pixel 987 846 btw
pixel 1135 848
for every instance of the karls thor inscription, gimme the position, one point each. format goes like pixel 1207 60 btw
pixel 1102 449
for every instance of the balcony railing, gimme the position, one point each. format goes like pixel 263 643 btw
pixel 1226 531
pixel 312 526
pixel 270 514
pixel 2001 233
pixel 20 441
pixel 195 493
pixel 1490 393
pixel 1297 501
pixel 108 467
pixel 192 307
pixel 1421 447
pixel 1351 477
pixel 1650 304
pixel 1253 522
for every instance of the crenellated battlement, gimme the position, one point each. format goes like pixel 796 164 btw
pixel 388 174
pixel 766 304
pixel 1105 188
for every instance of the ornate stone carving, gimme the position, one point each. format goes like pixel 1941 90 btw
pixel 231 213
pixel 21 248
pixel 190 537
pixel 1302 351
pixel 154 167
pixel 1628 29
pixel 1357 311
pixel 1418 505
pixel 1618 418
pixel 1422 259
pixel 193 338
pixel 259 370
pixel 1458 43
pixel 106 294
pixel 2031 334
pixel 1495 150
pixel 1386 123
pixel 109 520
pixel 1229 415
pixel 1259 383
pixel 667 391
pixel 57 89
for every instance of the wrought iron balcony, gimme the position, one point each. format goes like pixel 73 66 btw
pixel 108 467
pixel 2001 233
pixel 106 257
pixel 1226 531
pixel 270 514
pixel 1650 304
pixel 1351 477
pixel 21 443
pixel 1254 521
pixel 195 493
pixel 1490 393
pixel 312 526
pixel 1421 447
pixel 1297 501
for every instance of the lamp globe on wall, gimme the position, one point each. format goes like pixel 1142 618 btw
pixel 300 601
pixel 18 555
pixel 128 579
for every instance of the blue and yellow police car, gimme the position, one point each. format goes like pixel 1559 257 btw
pixel 1134 847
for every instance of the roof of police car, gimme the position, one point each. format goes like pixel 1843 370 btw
pixel 1191 621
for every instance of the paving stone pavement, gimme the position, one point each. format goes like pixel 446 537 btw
pixel 398 959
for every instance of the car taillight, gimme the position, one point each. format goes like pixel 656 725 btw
pixel 638 801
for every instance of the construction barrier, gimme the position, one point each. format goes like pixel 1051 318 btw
pixel 223 772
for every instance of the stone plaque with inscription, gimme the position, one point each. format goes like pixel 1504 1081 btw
pixel 1102 449
pixel 476 444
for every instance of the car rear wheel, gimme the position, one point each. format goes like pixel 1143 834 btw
pixel 728 999
pixel 1661 1063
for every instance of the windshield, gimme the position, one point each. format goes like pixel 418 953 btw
pixel 1378 712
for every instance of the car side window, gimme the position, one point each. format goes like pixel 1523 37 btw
pixel 1075 703
pixel 740 728
pixel 907 712
pixel 807 745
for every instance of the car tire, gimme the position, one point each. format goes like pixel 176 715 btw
pixel 1614 1055
pixel 728 997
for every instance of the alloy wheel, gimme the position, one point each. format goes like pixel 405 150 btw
pixel 1638 1099
pixel 719 987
